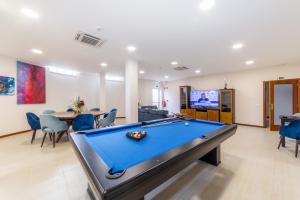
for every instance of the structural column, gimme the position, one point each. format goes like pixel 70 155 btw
pixel 131 91
pixel 102 92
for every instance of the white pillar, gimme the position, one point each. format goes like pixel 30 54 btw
pixel 131 91
pixel 102 92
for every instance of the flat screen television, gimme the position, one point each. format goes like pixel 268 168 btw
pixel 204 99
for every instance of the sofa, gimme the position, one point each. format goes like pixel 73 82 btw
pixel 147 113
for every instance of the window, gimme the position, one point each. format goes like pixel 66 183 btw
pixel 156 95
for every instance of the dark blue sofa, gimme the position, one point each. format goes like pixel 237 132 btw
pixel 147 113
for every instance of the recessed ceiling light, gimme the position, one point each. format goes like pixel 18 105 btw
pixel 131 48
pixel 166 76
pixel 207 4
pixel 142 72
pixel 30 13
pixel 174 63
pixel 237 46
pixel 197 71
pixel 104 64
pixel 37 51
pixel 249 62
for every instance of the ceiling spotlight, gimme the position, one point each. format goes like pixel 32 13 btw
pixel 249 62
pixel 30 13
pixel 166 76
pixel 237 46
pixel 131 48
pixel 197 71
pixel 207 4
pixel 142 72
pixel 104 64
pixel 37 51
pixel 174 63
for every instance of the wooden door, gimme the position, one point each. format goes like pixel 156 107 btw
pixel 283 100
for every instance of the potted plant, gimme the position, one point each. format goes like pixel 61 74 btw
pixel 78 105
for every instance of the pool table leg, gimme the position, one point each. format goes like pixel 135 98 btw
pixel 213 157
pixel 90 192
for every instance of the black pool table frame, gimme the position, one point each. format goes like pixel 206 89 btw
pixel 142 178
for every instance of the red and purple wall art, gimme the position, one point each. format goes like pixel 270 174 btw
pixel 31 84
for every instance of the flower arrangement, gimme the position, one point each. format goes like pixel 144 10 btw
pixel 78 105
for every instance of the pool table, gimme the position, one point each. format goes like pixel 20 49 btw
pixel 118 167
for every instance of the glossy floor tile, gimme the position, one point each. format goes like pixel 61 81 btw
pixel 251 168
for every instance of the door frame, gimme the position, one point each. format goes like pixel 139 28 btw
pixel 295 83
pixel 265 102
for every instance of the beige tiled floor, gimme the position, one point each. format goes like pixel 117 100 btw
pixel 251 168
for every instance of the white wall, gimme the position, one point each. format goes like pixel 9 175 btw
pixel 60 90
pixel 248 85
pixel 115 96
pixel 145 91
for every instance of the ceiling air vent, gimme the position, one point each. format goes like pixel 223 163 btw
pixel 181 68
pixel 89 39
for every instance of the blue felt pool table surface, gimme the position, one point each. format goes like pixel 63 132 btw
pixel 120 152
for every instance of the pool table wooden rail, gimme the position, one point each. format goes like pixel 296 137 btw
pixel 142 178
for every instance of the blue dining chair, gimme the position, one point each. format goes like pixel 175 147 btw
pixel 34 123
pixel 95 109
pixel 292 130
pixel 70 110
pixel 83 122
pixel 108 119
pixel 52 125
pixel 48 112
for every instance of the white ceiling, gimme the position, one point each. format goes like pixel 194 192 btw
pixel 162 31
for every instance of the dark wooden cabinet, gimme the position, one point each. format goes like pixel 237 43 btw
pixel 213 115
pixel 227 106
pixel 225 114
pixel 184 93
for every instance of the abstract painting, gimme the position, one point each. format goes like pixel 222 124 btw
pixel 7 85
pixel 31 84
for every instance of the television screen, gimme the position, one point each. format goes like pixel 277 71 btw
pixel 204 98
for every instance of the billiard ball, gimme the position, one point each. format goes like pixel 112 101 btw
pixel 186 123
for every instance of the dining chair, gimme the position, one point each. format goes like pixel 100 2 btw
pixel 70 110
pixel 83 122
pixel 108 119
pixel 52 125
pixel 95 109
pixel 292 130
pixel 96 119
pixel 34 123
pixel 48 112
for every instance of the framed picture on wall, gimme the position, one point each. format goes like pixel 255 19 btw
pixel 31 84
pixel 7 85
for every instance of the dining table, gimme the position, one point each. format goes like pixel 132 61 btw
pixel 287 118
pixel 70 116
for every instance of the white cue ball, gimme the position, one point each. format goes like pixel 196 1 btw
pixel 186 123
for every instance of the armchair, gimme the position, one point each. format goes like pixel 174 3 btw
pixel 95 109
pixel 52 125
pixel 292 130
pixel 108 119
pixel 70 110
pixel 34 123
pixel 83 122
pixel 48 112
